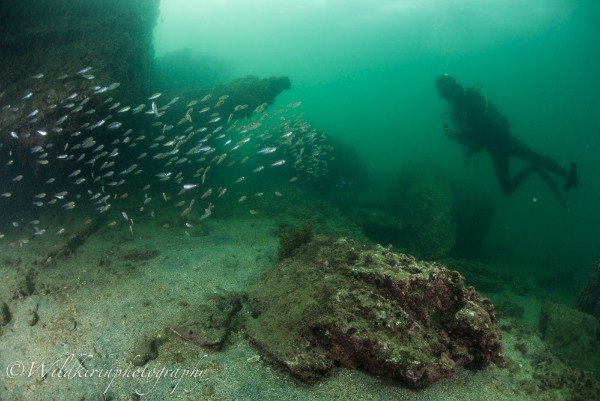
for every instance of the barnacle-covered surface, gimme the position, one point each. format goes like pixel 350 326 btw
pixel 336 302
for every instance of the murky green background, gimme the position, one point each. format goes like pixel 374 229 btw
pixel 364 70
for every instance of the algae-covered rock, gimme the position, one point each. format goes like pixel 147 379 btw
pixel 483 277
pixel 336 302
pixel 249 94
pixel 294 237
pixel 571 334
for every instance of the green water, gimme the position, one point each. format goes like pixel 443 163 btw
pixel 107 230
pixel 364 71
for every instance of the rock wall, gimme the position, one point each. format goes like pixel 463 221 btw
pixel 60 37
pixel 334 302
pixel 439 213
pixel 588 300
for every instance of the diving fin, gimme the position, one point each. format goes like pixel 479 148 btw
pixel 572 179
pixel 553 187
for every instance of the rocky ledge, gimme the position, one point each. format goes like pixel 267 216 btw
pixel 334 302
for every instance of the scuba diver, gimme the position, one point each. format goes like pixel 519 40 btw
pixel 479 126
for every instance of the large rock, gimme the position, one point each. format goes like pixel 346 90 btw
pixel 249 94
pixel 62 36
pixel 434 213
pixel 43 46
pixel 335 302
pixel 589 298
pixel 571 334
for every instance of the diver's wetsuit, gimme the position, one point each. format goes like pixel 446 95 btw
pixel 479 126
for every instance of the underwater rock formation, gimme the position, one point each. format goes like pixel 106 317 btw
pixel 338 303
pixel 249 94
pixel 572 335
pixel 435 213
pixel 347 175
pixel 589 297
pixel 52 53
pixel 64 36
pixel 484 278
pixel 79 111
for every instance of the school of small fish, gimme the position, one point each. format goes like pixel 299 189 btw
pixel 179 153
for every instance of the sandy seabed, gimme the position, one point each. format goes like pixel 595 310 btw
pixel 74 321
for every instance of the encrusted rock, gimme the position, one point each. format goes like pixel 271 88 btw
pixel 571 334
pixel 336 302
